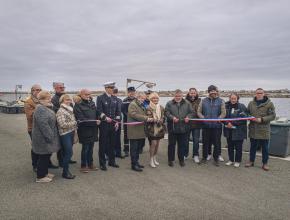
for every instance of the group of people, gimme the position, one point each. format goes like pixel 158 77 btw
pixel 56 123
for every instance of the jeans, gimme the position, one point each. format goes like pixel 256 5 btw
pixel 135 146
pixel 211 136
pixel 232 146
pixel 42 165
pixel 67 143
pixel 181 140
pixel 87 154
pixel 195 139
pixel 255 143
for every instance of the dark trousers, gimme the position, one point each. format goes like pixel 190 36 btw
pixel 67 143
pixel 195 139
pixel 233 146
pixel 118 143
pixel 87 154
pixel 135 146
pixel 34 156
pixel 219 142
pixel 126 140
pixel 181 140
pixel 255 143
pixel 42 165
pixel 211 136
pixel 107 144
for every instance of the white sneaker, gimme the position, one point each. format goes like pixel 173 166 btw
pixel 208 157
pixel 43 180
pixel 152 164
pixel 155 161
pixel 237 165
pixel 196 159
pixel 50 175
pixel 221 159
pixel 229 163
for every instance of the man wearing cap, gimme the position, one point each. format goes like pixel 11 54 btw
pixel 107 105
pixel 211 107
pixel 131 96
pixel 118 151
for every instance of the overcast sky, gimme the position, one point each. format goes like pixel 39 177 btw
pixel 235 44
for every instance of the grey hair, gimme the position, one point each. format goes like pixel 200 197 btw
pixel 139 94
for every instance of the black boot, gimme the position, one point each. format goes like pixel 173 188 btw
pixel 136 168
pixel 68 175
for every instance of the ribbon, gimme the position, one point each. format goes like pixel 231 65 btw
pixel 222 119
pixel 191 119
pixel 126 123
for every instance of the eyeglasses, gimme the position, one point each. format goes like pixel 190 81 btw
pixel 37 90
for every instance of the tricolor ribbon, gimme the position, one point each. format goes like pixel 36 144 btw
pixel 222 119
pixel 191 119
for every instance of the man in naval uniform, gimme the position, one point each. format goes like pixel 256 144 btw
pixel 107 105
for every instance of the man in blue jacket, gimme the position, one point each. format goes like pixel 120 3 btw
pixel 212 107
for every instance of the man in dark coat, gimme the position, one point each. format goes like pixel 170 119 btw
pixel 110 115
pixel 178 112
pixel 131 96
pixel 87 116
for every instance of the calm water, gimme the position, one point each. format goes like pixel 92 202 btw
pixel 282 104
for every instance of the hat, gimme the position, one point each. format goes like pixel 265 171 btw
pixel 109 84
pixel 211 88
pixel 131 89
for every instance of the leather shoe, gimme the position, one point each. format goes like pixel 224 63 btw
pixel 72 161
pixel 68 176
pixel 136 168
pixel 181 163
pixel 103 167
pixel 140 166
pixel 114 165
pixel 170 163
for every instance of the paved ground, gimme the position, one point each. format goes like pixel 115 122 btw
pixel 192 192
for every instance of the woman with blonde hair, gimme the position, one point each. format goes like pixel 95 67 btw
pixel 67 126
pixel 45 139
pixel 155 130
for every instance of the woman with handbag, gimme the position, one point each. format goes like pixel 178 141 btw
pixel 155 130
pixel 67 126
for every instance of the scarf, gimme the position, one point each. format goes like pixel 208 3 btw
pixel 156 111
pixel 67 107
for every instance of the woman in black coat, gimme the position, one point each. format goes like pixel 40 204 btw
pixel 86 114
pixel 235 131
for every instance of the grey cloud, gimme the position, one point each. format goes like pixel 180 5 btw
pixel 239 44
